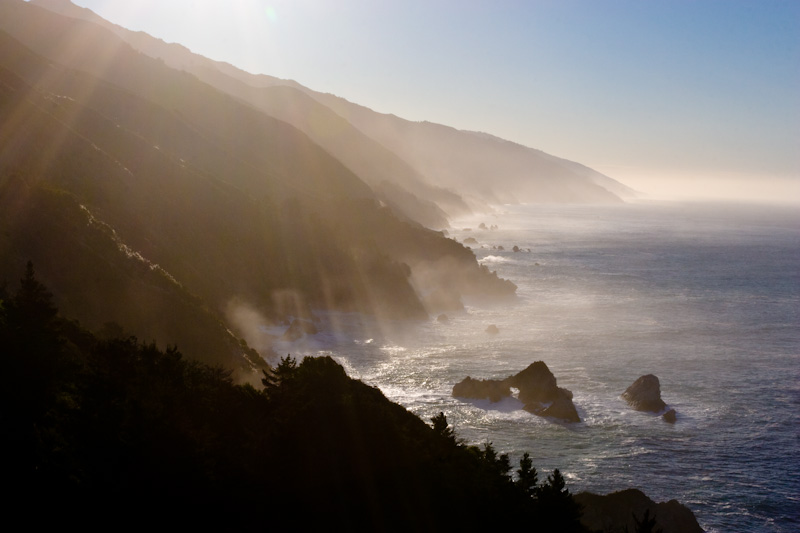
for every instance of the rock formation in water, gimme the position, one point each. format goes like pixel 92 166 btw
pixel 538 391
pixel 298 328
pixel 645 395
pixel 616 512
pixel 492 329
pixel 494 390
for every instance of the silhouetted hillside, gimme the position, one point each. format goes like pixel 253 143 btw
pixel 117 433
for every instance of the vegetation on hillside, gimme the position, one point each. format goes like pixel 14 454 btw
pixel 222 202
pixel 108 432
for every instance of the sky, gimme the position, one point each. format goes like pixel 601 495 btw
pixel 675 98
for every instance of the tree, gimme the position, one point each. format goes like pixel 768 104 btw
pixel 32 305
pixel 647 524
pixel 498 463
pixel 441 427
pixel 527 477
pixel 558 510
pixel 281 374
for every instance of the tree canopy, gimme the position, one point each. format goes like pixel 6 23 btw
pixel 108 429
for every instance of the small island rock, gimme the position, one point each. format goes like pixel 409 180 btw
pixel 492 329
pixel 645 395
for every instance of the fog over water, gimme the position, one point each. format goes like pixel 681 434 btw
pixel 706 297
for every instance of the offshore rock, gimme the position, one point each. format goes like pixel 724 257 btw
pixel 645 394
pixel 538 391
pixel 541 395
pixel 670 416
pixel 616 512
pixel 298 328
pixel 479 389
pixel 492 329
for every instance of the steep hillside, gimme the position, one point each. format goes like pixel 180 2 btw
pixel 481 167
pixel 457 170
pixel 230 203
pixel 392 179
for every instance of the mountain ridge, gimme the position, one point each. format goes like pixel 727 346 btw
pixel 534 177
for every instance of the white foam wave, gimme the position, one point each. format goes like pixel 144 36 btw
pixel 495 259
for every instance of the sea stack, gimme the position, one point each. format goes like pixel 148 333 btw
pixel 645 395
pixel 538 391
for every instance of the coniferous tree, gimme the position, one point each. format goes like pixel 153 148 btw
pixel 558 510
pixel 647 524
pixel 441 427
pixel 281 374
pixel 527 477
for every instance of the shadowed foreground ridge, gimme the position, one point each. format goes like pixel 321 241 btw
pixel 103 430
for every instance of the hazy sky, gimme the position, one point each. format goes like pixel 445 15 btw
pixel 653 93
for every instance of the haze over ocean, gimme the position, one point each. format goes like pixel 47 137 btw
pixel 706 297
pixel 682 99
pixel 679 99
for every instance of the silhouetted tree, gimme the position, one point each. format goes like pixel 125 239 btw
pixel 647 524
pixel 442 428
pixel 527 477
pixel 281 374
pixel 558 510
pixel 498 463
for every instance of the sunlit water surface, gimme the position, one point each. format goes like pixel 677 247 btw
pixel 705 297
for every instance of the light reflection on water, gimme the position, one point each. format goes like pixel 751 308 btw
pixel 709 301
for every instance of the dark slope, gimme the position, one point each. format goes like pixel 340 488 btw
pixel 113 431
pixel 229 202
pixel 412 155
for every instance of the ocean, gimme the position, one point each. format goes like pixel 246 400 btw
pixel 704 296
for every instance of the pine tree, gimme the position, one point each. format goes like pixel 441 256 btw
pixel 280 375
pixel 441 427
pixel 647 524
pixel 558 510
pixel 527 477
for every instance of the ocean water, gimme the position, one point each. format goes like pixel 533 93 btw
pixel 706 297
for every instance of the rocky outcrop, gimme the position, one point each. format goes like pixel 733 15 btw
pixel 492 329
pixel 645 395
pixel 442 318
pixel 479 389
pixel 615 512
pixel 538 391
pixel 298 328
